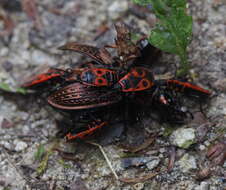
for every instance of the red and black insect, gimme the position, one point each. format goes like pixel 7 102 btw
pixel 99 76
pixel 110 70
pixel 90 129
pixel 50 76
pixel 137 79
pixel 77 96
pixel 88 93
pixel 187 88
pixel 90 88
pixel 81 100
pixel 126 49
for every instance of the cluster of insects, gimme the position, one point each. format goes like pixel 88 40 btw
pixel 95 87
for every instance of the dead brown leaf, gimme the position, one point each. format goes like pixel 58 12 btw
pixel 8 25
pixel 101 30
pixel 217 153
pixel 146 144
pixel 30 8
pixel 6 124
pixel 204 173
pixel 139 179
pixel 66 155
pixel 78 184
pixel 172 158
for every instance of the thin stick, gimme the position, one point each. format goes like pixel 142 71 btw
pixel 106 158
pixel 13 165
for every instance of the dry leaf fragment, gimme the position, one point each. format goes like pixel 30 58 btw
pixel 204 173
pixel 172 158
pixel 30 8
pixel 217 153
pixel 8 25
pixel 143 146
pixel 139 179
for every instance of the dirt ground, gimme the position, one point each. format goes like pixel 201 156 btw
pixel 29 39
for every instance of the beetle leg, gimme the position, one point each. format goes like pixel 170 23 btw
pixel 186 88
pixel 189 89
pixel 131 57
pixel 111 46
pixel 91 128
pixel 143 38
pixel 52 74
pixel 99 55
pixel 126 113
pixel 169 106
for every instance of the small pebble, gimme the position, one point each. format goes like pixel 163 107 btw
pixel 202 147
pixel 203 186
pixel 187 163
pixel 117 8
pixel 20 145
pixel 183 137
pixel 153 163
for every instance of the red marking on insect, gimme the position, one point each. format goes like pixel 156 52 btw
pixel 162 99
pixel 100 71
pixel 188 88
pixel 83 89
pixel 138 79
pixel 44 77
pixel 139 72
pixel 100 81
pixel 91 129
pixel 99 77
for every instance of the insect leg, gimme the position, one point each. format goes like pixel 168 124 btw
pixel 91 128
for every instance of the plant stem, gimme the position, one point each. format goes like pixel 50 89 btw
pixel 185 66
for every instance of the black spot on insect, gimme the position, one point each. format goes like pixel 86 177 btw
pixel 145 83
pixel 100 81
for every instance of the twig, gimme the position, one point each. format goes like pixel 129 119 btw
pixel 44 163
pixel 172 158
pixel 8 25
pixel 146 144
pixel 30 8
pixel 65 155
pixel 106 158
pixel 139 179
pixel 15 167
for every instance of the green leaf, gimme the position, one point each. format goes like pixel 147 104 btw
pixel 64 164
pixel 163 39
pixel 160 8
pixel 142 2
pixel 168 131
pixel 174 30
pixel 43 164
pixel 5 87
pixel 177 3
pixel 21 90
pixel 6 188
pixel 135 37
pixel 40 152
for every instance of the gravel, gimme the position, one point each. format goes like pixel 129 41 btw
pixel 31 123
pixel 183 137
